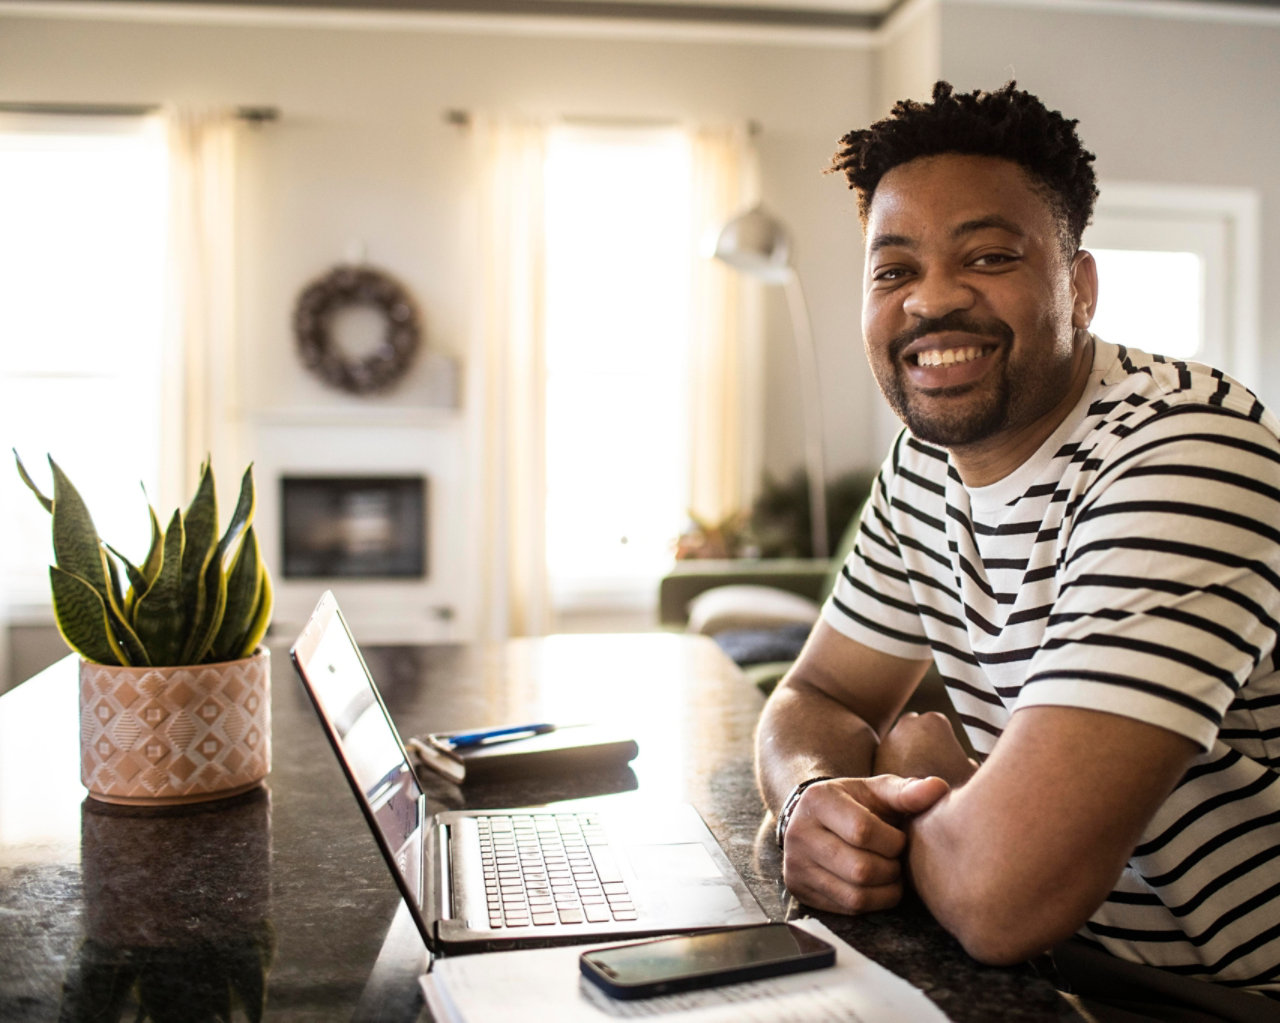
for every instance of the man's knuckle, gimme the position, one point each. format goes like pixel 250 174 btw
pixel 866 871
pixel 871 900
pixel 858 831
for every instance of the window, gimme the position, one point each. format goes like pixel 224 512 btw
pixel 619 251
pixel 83 209
pixel 1154 300
pixel 1178 273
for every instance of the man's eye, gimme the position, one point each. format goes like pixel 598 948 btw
pixel 995 259
pixel 889 273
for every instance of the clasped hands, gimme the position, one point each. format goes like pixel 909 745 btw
pixel 846 840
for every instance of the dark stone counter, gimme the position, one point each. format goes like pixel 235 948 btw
pixel 280 899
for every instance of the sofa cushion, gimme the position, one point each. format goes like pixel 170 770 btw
pixel 747 606
pixel 747 647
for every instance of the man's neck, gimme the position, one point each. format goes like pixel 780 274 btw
pixel 989 461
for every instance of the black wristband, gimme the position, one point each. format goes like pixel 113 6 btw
pixel 789 806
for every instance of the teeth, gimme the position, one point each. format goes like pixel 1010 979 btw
pixel 948 356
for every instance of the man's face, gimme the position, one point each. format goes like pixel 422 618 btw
pixel 970 305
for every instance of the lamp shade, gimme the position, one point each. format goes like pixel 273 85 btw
pixel 756 243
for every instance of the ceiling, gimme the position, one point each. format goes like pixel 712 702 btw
pixel 842 14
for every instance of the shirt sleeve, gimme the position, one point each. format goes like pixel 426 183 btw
pixel 1169 587
pixel 872 601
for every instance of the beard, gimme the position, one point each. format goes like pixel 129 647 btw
pixel 942 416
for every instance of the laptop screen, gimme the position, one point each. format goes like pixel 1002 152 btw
pixel 366 740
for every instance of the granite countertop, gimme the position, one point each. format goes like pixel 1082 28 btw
pixel 280 897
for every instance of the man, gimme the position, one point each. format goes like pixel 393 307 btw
pixel 1085 540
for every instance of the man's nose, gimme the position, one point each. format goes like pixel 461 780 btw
pixel 935 294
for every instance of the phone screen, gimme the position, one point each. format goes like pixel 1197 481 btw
pixel 710 957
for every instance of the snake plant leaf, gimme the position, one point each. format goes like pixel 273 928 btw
pixel 160 616
pixel 138 581
pixel 242 517
pixel 26 478
pixel 216 584
pixel 243 584
pixel 261 614
pixel 76 547
pixel 81 614
pixel 151 566
pixel 203 638
pixel 200 524
pixel 118 619
pixel 115 592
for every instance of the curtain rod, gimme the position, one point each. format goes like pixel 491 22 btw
pixel 252 114
pixel 462 119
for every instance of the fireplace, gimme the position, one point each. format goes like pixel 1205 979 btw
pixel 353 527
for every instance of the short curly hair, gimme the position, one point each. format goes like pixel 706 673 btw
pixel 1008 123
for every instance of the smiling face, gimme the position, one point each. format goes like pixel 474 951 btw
pixel 973 314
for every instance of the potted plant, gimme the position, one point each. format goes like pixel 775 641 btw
pixel 174 682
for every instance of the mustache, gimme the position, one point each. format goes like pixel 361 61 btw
pixel 958 322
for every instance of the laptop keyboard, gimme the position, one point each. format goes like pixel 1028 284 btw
pixel 543 870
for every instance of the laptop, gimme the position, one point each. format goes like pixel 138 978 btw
pixel 477 880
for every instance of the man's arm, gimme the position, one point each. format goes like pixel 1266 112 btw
pixel 1020 856
pixel 1013 859
pixel 844 841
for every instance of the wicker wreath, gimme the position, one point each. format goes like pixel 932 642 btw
pixel 356 286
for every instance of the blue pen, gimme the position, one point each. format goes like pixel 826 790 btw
pixel 486 736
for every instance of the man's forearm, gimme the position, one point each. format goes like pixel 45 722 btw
pixel 803 733
pixel 1021 855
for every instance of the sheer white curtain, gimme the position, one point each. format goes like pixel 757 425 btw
pixel 509 353
pixel 201 319
pixel 726 386
pixel 509 381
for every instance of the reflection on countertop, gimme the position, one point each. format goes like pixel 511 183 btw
pixel 177 912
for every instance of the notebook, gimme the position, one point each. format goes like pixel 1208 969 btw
pixel 480 880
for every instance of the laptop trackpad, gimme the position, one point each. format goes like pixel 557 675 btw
pixel 681 862
pixel 682 885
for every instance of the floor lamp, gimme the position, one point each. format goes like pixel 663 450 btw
pixel 757 244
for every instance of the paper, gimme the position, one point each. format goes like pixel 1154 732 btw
pixel 491 987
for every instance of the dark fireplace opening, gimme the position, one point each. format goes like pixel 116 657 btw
pixel 354 527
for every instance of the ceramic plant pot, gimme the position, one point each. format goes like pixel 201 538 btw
pixel 164 736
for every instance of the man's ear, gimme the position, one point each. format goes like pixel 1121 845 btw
pixel 1084 289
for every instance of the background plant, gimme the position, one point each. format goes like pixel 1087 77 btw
pixel 196 598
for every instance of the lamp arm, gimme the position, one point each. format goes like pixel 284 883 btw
pixel 811 398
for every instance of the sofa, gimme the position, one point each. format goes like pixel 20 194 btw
pixel 761 610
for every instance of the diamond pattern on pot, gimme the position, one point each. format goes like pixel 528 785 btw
pixel 174 733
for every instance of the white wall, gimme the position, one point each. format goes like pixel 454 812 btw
pixel 1175 100
pixel 362 152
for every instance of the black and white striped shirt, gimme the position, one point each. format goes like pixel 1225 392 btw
pixel 1131 566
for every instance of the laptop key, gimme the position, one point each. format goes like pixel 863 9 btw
pixel 571 916
pixel 606 864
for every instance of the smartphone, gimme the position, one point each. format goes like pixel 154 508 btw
pixel 704 959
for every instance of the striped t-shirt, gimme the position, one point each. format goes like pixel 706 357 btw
pixel 1131 566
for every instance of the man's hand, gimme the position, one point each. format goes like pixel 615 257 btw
pixel 843 847
pixel 919 745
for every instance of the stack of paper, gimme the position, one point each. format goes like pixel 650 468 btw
pixel 498 985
